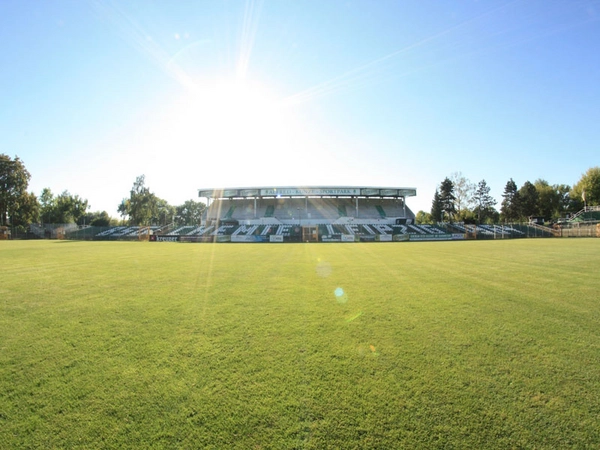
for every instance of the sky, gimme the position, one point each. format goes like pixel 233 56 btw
pixel 226 93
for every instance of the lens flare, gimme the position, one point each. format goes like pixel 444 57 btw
pixel 340 295
pixel 354 317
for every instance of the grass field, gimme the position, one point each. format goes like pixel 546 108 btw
pixel 490 344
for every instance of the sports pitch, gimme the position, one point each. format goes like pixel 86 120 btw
pixel 483 344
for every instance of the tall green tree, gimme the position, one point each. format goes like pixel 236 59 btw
pixel 423 218
pixel 484 202
pixel 143 207
pixel 436 207
pixel 63 208
pixel 463 193
pixel 564 199
pixel 547 199
pixel 165 212
pixel 123 208
pixel 510 209
pixel 190 213
pixel 553 200
pixel 447 199
pixel 46 201
pixel 98 219
pixel 142 202
pixel 588 186
pixel 14 179
pixel 27 210
pixel 529 197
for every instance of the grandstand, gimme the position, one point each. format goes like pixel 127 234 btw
pixel 585 223
pixel 316 213
pixel 307 205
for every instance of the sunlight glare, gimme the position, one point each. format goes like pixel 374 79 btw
pixel 232 119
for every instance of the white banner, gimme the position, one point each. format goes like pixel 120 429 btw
pixel 243 238
pixel 369 191
pixel 309 191
pixel 249 193
pixel 275 238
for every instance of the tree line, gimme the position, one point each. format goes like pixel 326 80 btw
pixel 458 199
pixel 144 208
pixel 20 208
pixel 455 199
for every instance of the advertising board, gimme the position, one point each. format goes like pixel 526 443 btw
pixel 431 237
pixel 249 193
pixel 248 238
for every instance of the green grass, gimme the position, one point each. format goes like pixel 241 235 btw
pixel 489 344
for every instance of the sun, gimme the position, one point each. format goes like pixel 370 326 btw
pixel 239 108
pixel 232 132
pixel 227 118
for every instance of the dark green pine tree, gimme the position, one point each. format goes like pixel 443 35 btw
pixel 511 202
pixel 484 202
pixel 436 207
pixel 529 197
pixel 447 199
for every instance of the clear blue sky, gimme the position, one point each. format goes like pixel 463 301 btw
pixel 199 94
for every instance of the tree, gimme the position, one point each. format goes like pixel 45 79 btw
pixel 463 192
pixel 123 208
pixel 547 201
pixel 528 200
pixel 27 210
pixel 553 201
pixel 142 203
pixel 423 218
pixel 511 203
pixel 190 213
pixel 143 207
pixel 484 202
pixel 165 212
pixel 14 179
pixel 588 186
pixel 436 207
pixel 64 208
pixel 564 199
pixel 447 198
pixel 46 204
pixel 98 219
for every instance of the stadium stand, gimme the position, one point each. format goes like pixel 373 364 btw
pixel 587 214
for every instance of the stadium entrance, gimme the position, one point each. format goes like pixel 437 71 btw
pixel 310 234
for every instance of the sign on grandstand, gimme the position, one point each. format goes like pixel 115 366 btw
pixel 309 191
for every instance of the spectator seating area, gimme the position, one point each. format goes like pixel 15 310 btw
pixel 309 210
pixel 113 233
pixel 327 231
